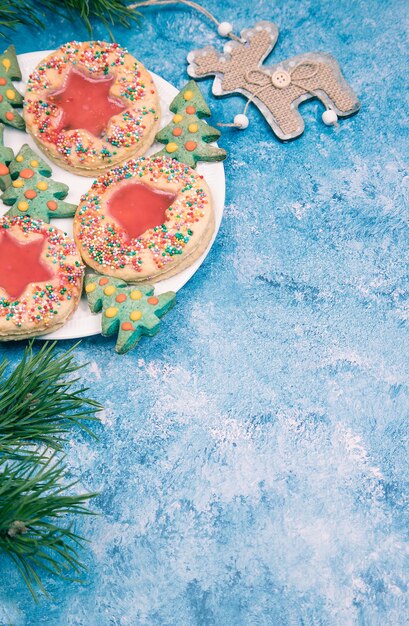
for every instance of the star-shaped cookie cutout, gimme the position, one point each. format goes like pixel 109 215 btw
pixel 85 103
pixel 21 264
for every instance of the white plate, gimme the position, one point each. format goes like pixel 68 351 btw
pixel 84 323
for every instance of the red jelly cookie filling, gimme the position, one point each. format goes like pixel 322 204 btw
pixel 40 275
pixel 140 219
pixel 91 105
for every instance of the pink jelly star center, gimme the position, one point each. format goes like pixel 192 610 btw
pixel 85 103
pixel 21 264
pixel 137 208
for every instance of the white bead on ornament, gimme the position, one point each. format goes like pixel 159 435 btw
pixel 241 121
pixel 224 29
pixel 330 118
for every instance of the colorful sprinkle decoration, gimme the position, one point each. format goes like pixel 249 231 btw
pixel 127 310
pixel 97 61
pixel 41 302
pixel 31 191
pixel 106 244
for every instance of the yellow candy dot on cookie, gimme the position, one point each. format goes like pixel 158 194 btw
pixel 135 316
pixel 193 128
pixel 111 311
pixel 136 294
pixel 22 206
pixel 108 291
pixel 188 95
pixel 171 147
pixel 10 94
pixel 177 118
pixel 18 183
pixel 6 63
pixel 34 163
pixel 90 287
pixel 19 158
pixel 42 185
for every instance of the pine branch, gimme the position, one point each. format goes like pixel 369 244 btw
pixel 109 12
pixel 39 401
pixel 16 12
pixel 32 501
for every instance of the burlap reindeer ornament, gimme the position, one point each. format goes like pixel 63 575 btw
pixel 279 89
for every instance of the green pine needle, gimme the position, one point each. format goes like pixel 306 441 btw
pixel 32 501
pixel 38 402
pixel 109 12
pixel 16 12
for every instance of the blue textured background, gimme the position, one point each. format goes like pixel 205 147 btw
pixel 253 456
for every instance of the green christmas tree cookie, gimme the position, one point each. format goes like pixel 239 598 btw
pixel 6 156
pixel 32 192
pixel 187 136
pixel 127 310
pixel 9 96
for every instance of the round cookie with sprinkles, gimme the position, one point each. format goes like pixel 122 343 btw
pixel 145 220
pixel 41 277
pixel 90 106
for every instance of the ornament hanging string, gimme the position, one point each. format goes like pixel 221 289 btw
pixel 221 26
pixel 225 30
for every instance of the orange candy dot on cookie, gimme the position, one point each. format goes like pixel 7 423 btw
pixel 26 173
pixel 3 169
pixel 103 281
pixel 9 116
pixel 190 145
pixel 52 205
pixel 2 81
pixel 127 326
pixel 121 297
pixel 30 194
pixel 190 110
pixel 153 300
pixel 177 131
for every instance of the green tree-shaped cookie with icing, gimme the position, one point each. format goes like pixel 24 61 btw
pixel 6 156
pixel 9 96
pixel 127 310
pixel 32 192
pixel 187 137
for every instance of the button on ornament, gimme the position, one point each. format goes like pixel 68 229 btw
pixel 281 79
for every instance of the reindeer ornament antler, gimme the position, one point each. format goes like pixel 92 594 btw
pixel 279 89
